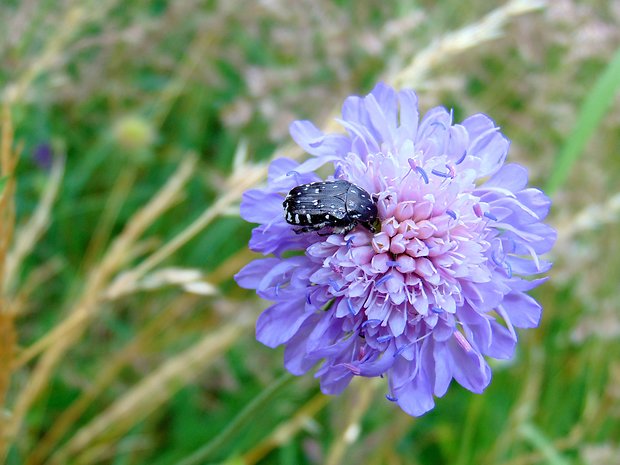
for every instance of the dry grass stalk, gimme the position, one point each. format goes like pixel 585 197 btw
pixel 490 27
pixel 152 391
pixel 65 334
pixel 106 376
pixel 362 398
pixel 117 255
pixel 118 195
pixel 70 22
pixel 41 275
pixel 283 433
pixel 28 235
pixel 524 408
pixel 252 175
pixel 60 339
pixel 49 56
pixel 8 335
pixel 8 162
pixel 590 218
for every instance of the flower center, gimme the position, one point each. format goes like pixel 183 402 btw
pixel 414 267
pixel 413 236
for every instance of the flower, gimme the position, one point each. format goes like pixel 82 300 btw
pixel 440 287
pixel 43 156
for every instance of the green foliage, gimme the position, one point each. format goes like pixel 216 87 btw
pixel 125 92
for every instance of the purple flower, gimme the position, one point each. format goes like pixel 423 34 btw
pixel 440 287
pixel 43 156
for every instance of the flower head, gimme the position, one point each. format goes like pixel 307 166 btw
pixel 440 287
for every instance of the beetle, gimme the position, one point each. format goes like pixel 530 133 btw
pixel 338 204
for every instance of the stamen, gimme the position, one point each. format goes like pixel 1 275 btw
pixel 371 322
pixel 334 285
pixel 339 172
pixel 464 343
pixel 383 339
pixel 277 289
pixel 508 269
pixel 392 263
pixel 308 298
pixel 297 176
pixel 451 214
pixel 451 170
pixel 350 305
pixel 440 174
pixel 402 349
pixel 490 216
pixel 496 260
pixel 420 170
pixel 460 160
pixel 436 309
pixel 350 242
pixel 383 279
pixel 411 344
pixel 478 210
pixel 352 368
pixel 391 398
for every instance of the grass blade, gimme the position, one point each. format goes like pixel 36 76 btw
pixel 592 111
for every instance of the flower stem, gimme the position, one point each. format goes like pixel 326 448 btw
pixel 199 456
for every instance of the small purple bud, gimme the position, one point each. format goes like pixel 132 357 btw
pixel 43 156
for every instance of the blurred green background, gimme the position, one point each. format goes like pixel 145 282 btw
pixel 124 338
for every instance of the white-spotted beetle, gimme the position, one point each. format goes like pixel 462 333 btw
pixel 338 204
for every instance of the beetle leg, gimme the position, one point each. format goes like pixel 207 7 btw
pixel 348 228
pixel 304 229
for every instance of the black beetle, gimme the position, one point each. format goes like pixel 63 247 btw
pixel 338 204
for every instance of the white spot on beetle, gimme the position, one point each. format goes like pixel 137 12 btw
pixel 327 216
pixel 296 218
pixel 308 217
pixel 316 191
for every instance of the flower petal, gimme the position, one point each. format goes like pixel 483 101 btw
pixel 315 142
pixel 522 310
pixel 259 206
pixel 279 323
pixel 470 369
pixel 250 276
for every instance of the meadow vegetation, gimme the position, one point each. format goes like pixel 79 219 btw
pixel 131 129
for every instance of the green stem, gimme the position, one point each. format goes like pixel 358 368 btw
pixel 199 456
pixel 592 111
